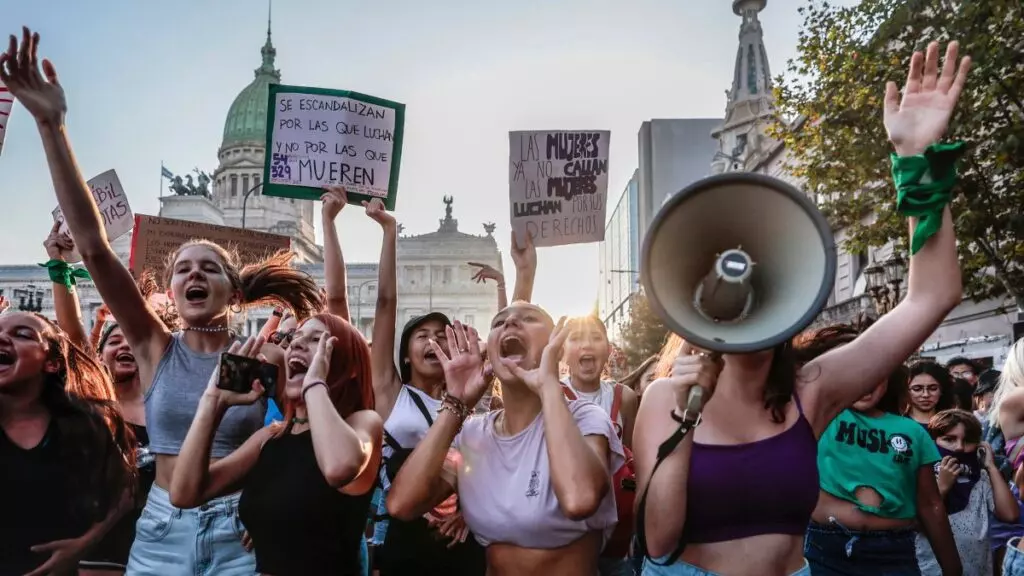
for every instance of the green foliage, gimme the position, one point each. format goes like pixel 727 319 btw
pixel 643 333
pixel 839 145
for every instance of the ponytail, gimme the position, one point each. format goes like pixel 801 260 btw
pixel 275 281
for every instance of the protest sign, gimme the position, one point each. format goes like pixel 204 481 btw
pixel 112 204
pixel 6 104
pixel 155 238
pixel 558 185
pixel 318 137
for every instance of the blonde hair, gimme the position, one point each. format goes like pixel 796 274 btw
pixel 1011 379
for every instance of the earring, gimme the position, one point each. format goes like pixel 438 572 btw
pixel 236 308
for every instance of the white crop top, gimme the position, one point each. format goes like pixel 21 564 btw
pixel 504 483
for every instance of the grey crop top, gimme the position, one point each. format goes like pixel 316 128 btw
pixel 173 398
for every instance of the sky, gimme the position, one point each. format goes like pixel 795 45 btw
pixel 151 82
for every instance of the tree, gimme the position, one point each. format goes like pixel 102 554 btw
pixel 830 119
pixel 643 333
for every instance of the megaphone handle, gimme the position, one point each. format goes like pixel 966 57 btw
pixel 694 404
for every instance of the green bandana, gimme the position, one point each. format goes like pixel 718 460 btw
pixel 62 273
pixel 924 186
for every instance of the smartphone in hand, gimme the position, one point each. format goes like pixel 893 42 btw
pixel 237 374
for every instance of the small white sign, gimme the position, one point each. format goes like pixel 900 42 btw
pixel 558 185
pixel 117 215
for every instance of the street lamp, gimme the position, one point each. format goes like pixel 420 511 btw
pixel 245 200
pixel 359 303
pixel 885 281
pixel 35 300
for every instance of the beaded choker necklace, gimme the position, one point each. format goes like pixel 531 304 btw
pixel 207 329
pixel 300 420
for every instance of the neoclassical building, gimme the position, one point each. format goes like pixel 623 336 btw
pixel 433 269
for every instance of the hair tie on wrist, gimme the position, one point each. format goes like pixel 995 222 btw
pixel 62 273
pixel 924 186
pixel 312 385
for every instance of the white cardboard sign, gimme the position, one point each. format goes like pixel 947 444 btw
pixel 558 185
pixel 117 215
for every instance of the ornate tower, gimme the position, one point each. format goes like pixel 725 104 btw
pixel 741 135
pixel 239 172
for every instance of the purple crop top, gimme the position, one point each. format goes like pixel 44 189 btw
pixel 765 487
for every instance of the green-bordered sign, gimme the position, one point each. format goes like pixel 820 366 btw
pixel 318 137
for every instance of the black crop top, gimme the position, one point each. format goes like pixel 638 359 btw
pixel 35 499
pixel 300 525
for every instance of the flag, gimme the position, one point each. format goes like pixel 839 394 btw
pixel 6 103
pixel 164 172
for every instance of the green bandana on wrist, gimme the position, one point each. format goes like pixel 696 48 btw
pixel 62 273
pixel 924 186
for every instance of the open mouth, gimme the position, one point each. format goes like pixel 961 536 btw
pixel 196 294
pixel 588 363
pixel 7 358
pixel 125 358
pixel 297 367
pixel 430 355
pixel 513 348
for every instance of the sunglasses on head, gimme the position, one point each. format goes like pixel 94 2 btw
pixel 282 338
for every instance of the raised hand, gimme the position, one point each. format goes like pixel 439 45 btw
pixel 929 98
pixel 58 245
pixel 375 210
pixel 547 370
pixel 486 272
pixel 102 314
pixel 525 256
pixel 19 70
pixel 464 365
pixel 321 363
pixel 335 198
pixel 227 398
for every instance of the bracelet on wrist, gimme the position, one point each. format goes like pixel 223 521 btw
pixel 313 384
pixel 456 406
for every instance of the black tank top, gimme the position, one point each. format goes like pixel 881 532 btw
pixel 112 552
pixel 300 525
pixel 35 497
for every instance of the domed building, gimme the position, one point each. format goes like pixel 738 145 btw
pixel 236 182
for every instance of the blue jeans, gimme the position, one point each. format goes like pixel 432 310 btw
pixel 1013 562
pixel 681 568
pixel 836 551
pixel 203 541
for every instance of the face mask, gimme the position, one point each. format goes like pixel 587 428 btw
pixel 970 473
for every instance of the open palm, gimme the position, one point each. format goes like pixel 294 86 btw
pixel 929 98
pixel 19 70
pixel 464 367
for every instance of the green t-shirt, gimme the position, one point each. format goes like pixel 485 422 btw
pixel 883 453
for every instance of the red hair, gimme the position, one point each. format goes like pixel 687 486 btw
pixel 349 378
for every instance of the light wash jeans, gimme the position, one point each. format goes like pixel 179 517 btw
pixel 1013 562
pixel 681 568
pixel 203 541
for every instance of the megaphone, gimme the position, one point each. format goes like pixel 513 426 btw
pixel 738 263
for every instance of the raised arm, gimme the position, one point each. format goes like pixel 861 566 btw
pixel 195 480
pixel 334 261
pixel 65 298
pixel 579 465
pixel 525 259
pixel 386 382
pixel 347 449
pixel 487 272
pixel 837 379
pixel 44 99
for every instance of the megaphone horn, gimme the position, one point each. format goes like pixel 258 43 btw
pixel 738 262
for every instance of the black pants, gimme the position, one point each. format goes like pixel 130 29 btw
pixel 413 548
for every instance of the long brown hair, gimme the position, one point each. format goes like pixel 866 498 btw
pixel 349 378
pixel 780 381
pixel 270 281
pixel 97 448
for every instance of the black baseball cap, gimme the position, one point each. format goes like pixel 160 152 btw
pixel 405 368
pixel 987 382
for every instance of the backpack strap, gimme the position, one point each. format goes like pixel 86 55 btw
pixel 423 408
pixel 616 405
